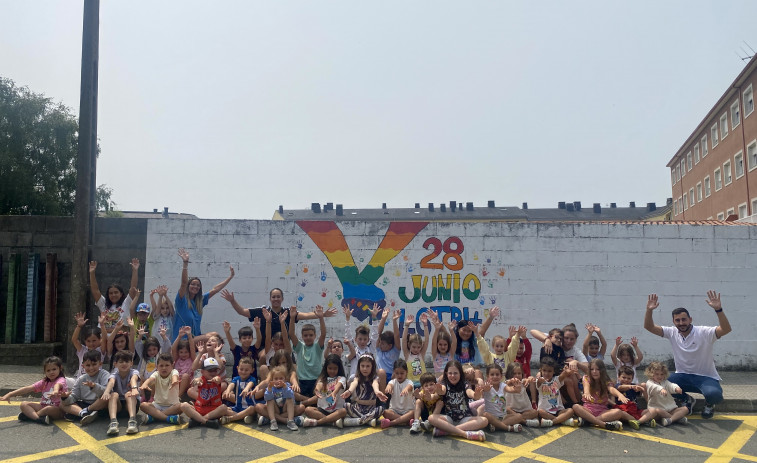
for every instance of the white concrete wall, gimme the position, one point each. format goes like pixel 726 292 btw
pixel 554 273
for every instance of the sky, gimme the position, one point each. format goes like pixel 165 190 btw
pixel 230 109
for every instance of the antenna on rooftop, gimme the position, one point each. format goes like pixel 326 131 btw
pixel 745 43
pixel 746 56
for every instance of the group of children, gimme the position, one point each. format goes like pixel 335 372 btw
pixel 372 377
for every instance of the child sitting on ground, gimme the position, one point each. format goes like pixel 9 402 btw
pixel 402 402
pixel 659 395
pixel 388 349
pixel 328 389
pixel 551 409
pixel 632 392
pixel 164 384
pixel 596 397
pixel 517 399
pixel 122 393
pixel 240 393
pixel 364 389
pixel 94 339
pixel 183 353
pixel 425 404
pixel 82 399
pixel 279 399
pixel 502 355
pixel 495 410
pixel 51 387
pixel 208 406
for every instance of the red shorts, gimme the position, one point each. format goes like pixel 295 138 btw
pixel 631 409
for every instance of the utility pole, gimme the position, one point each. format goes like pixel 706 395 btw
pixel 85 206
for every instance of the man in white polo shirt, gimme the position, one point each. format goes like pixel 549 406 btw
pixel 692 351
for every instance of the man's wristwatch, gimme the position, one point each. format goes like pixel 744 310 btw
pixel 718 310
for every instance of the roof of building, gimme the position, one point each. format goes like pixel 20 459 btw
pixel 565 212
pixel 155 214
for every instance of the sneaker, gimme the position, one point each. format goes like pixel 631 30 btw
pixel 113 428
pixel 492 429
pixel 666 421
pixel 309 422
pixel 88 418
pixel 263 420
pixel 532 423
pixel 651 423
pixel 298 420
pixel 193 423
pixel 689 402
pixel 476 435
pixel 352 422
pixel 339 423
pixel 572 422
pixel 44 420
pixel 292 426
pixel 426 426
pixel 545 423
pixel 373 423
pixel 683 420
pixel 438 433
pixel 708 411
pixel 614 426
pixel 173 419
pixel 274 425
pixel 22 417
pixel 225 419
pixel 212 424
pixel 131 427
pixel 415 428
pixel 634 424
pixel 144 418
pixel 385 423
pixel 516 428
pixel 183 419
pixel 249 419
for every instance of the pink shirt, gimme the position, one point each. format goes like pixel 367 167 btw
pixel 46 388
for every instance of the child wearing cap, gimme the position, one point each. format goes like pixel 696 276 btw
pixel 142 320
pixel 208 406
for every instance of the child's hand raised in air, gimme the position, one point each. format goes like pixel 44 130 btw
pixel 256 323
pixel 267 315
pixel 80 320
pixel 200 347
pixel 346 310
pixel 512 331
pixel 618 340
pixel 375 311
pixel 522 332
pixel 634 341
pixel 226 326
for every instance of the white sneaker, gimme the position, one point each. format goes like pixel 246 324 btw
pixel 415 428
pixel 274 425
pixel 339 423
pixel 263 420
pixel 532 423
pixel 683 420
pixel 249 419
pixel 225 419
pixel 545 423
pixel 292 426
pixel 113 428
pixel 309 422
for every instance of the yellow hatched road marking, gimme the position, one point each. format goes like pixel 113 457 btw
pixel 294 450
pixel 98 448
pixel 730 448
pixel 43 455
pixel 526 449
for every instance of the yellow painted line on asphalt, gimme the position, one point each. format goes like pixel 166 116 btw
pixel 525 450
pixel 46 454
pixel 8 419
pixel 97 448
pixel 733 444
pixel 141 434
pixel 294 450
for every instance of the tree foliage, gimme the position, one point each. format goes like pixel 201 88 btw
pixel 38 149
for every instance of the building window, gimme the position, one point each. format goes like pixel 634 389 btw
pixel 748 101
pixel 688 160
pixel 727 178
pixel 696 153
pixel 721 217
pixel 707 190
pixel 680 205
pixel 683 167
pixel 718 180
pixel 678 173
pixel 735 115
pixel 691 197
pixel 738 164
pixel 742 210
pixel 675 208
pixel 723 126
pixel 730 212
pixel 714 135
pixel 754 205
pixel 699 192
pixel 704 147
pixel 751 154
pixel 673 175
pixel 685 202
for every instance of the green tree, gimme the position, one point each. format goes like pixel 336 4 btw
pixel 38 148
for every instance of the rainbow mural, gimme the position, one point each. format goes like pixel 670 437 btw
pixel 358 286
